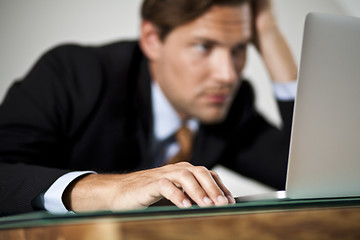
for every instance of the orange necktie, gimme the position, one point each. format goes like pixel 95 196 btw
pixel 184 137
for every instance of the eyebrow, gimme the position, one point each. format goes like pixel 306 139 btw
pixel 214 42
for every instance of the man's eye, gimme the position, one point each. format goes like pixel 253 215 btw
pixel 203 48
pixel 239 49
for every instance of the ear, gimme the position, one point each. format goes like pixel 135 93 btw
pixel 150 41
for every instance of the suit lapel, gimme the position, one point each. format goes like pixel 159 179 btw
pixel 145 120
pixel 208 146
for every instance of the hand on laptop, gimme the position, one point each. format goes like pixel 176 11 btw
pixel 181 183
pixel 271 44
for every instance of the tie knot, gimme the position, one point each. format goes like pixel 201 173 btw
pixel 184 137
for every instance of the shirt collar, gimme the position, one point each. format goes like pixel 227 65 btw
pixel 166 120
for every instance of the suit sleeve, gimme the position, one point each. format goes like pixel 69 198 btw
pixel 37 126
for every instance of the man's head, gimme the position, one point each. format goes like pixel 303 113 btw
pixel 197 51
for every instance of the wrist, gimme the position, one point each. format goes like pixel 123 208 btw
pixel 277 56
pixel 66 196
pixel 88 193
pixel 265 21
pixel 268 36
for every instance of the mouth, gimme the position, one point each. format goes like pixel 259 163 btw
pixel 219 97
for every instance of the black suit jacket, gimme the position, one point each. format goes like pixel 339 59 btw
pixel 89 108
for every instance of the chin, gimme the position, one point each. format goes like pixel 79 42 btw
pixel 213 117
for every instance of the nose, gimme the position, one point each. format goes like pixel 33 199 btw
pixel 224 67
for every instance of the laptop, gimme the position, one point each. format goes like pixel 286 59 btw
pixel 324 158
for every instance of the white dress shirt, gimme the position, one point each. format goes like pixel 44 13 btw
pixel 166 122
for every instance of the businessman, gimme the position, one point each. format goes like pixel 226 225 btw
pixel 96 128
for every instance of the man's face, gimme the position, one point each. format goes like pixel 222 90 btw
pixel 199 64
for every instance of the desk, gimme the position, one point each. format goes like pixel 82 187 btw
pixel 284 222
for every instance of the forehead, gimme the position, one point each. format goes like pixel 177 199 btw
pixel 224 24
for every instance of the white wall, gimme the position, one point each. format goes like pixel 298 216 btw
pixel 28 28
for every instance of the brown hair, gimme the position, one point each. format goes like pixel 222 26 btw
pixel 169 14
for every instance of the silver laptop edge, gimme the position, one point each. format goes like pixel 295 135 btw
pixel 324 159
